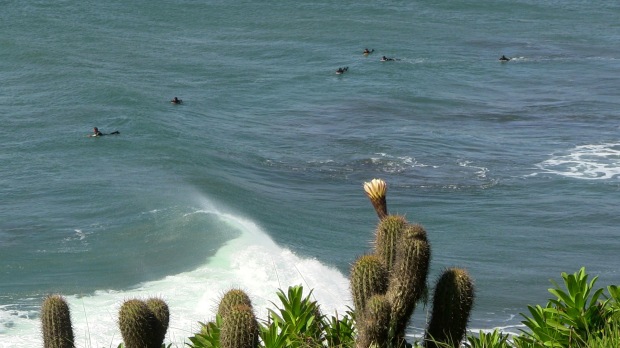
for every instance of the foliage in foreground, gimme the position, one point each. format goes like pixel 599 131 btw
pixel 578 317
pixel 386 286
pixel 577 314
pixel 495 339
pixel 297 322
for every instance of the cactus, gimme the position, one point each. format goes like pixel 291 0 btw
pixel 56 323
pixel 231 299
pixel 407 282
pixel 405 252
pixel 452 303
pixel 368 277
pixel 373 324
pixel 239 328
pixel 387 236
pixel 137 324
pixel 162 316
pixel 416 231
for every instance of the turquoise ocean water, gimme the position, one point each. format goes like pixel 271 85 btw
pixel 255 181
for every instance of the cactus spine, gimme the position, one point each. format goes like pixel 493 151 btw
pixel 239 325
pixel 388 235
pixel 143 324
pixel 162 317
pixel 135 322
pixel 452 303
pixel 408 279
pixel 231 299
pixel 239 328
pixel 374 322
pixel 368 277
pixel 56 323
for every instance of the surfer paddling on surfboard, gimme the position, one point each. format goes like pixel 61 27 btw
pixel 342 70
pixel 176 100
pixel 97 133
pixel 504 59
pixel 367 52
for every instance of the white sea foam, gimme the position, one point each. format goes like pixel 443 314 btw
pixel 396 164
pixel 481 172
pixel 590 162
pixel 252 262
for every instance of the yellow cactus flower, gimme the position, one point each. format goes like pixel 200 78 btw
pixel 375 190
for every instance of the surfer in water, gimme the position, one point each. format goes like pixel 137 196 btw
pixel 97 133
pixel 367 52
pixel 504 59
pixel 386 59
pixel 342 70
pixel 176 100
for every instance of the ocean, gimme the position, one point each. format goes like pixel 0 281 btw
pixel 256 180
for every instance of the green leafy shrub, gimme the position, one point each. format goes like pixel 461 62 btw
pixel 493 339
pixel 209 335
pixel 614 303
pixel 339 331
pixel 577 315
pixel 298 322
pixel 609 337
pixel 301 317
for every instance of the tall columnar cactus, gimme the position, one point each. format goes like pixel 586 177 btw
pixel 373 324
pixel 231 299
pixel 452 303
pixel 368 277
pixel 407 282
pixel 405 252
pixel 56 323
pixel 239 328
pixel 387 236
pixel 376 190
pixel 162 317
pixel 138 325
